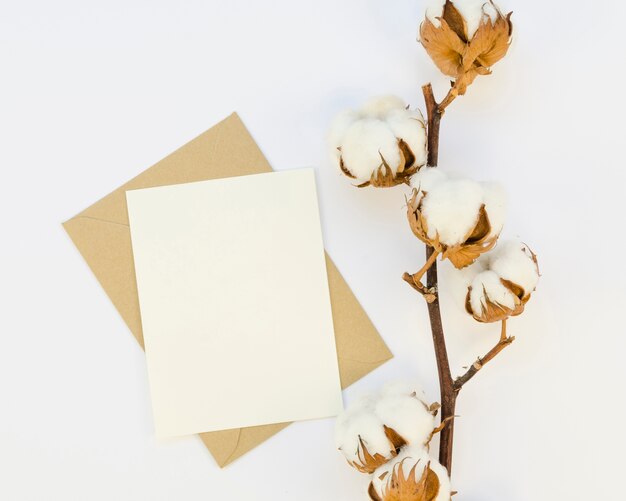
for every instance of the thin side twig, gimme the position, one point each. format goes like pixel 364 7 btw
pixel 481 362
pixel 415 280
pixel 451 96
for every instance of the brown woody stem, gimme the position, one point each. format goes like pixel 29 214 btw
pixel 481 362
pixel 446 384
pixel 449 388
pixel 434 121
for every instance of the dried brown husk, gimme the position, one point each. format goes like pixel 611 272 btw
pixel 476 242
pixel 408 488
pixel 460 57
pixel 368 462
pixel 384 176
pixel 492 311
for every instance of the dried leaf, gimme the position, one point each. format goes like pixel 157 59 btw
pixel 407 156
pixel 434 408
pixel 394 437
pixel 482 227
pixel 489 44
pixel 368 462
pixel 518 290
pixel 455 20
pixel 534 258
pixel 344 169
pixel 372 493
pixel 444 47
pixel 465 254
pixel 385 177
pixel 409 488
pixel 417 222
pixel 440 428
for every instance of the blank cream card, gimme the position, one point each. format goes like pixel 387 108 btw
pixel 234 302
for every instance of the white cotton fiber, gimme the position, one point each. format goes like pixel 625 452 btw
pixel 487 286
pixel 379 107
pixel 494 198
pixel 409 126
pixel 406 415
pixel 427 178
pixel 513 261
pixel 364 143
pixel 408 459
pixel 403 388
pixel 451 210
pixel 473 11
pixel 338 129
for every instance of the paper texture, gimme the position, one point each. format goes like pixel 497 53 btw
pixel 102 236
pixel 232 279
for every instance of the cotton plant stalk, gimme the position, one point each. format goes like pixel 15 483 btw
pixel 386 144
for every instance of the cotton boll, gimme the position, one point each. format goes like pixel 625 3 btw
pixel 504 287
pixel 459 218
pixel 427 178
pixel 513 261
pixel 403 474
pixel 380 107
pixel 371 430
pixel 473 11
pixel 494 198
pixel 364 143
pixel 488 288
pixel 451 210
pixel 382 144
pixel 468 47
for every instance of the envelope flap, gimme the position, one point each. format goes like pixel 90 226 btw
pixel 232 444
pixel 225 150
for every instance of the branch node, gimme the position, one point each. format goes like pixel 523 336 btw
pixel 429 293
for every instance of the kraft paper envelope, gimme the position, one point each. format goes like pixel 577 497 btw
pixel 102 235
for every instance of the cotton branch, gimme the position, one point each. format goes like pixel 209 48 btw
pixel 449 388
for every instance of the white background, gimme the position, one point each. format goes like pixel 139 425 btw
pixel 94 92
